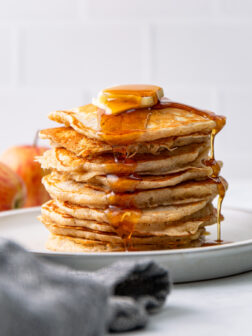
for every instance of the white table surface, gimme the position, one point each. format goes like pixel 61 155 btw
pixel 215 307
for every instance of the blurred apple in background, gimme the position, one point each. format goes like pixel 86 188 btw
pixel 12 189
pixel 22 160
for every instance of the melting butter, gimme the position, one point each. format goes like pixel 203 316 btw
pixel 122 98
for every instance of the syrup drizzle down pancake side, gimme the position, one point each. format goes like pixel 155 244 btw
pixel 133 123
pixel 220 122
pixel 128 116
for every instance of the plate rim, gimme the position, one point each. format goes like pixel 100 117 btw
pixel 193 250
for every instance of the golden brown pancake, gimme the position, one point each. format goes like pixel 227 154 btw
pixel 187 229
pixel 128 184
pixel 160 123
pixel 83 146
pixel 177 175
pixel 70 244
pixel 177 222
pixel 79 193
pixel 144 164
pixel 65 213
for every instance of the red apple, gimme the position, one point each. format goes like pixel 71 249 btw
pixel 12 189
pixel 22 160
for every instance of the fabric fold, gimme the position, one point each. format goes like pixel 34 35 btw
pixel 42 298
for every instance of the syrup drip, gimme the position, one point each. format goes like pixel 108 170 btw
pixel 123 221
pixel 222 192
pixel 121 212
pixel 215 175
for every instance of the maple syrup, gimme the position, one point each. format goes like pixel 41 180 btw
pixel 215 243
pixel 124 128
pixel 122 213
pixel 123 220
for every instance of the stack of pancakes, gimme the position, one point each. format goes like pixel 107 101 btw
pixel 135 180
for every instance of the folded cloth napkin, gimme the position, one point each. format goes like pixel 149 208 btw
pixel 43 299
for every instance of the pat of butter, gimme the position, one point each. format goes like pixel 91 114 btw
pixel 122 98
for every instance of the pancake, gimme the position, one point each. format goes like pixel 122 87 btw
pixel 129 184
pixel 179 173
pixel 65 161
pixel 70 244
pixel 83 146
pixel 107 233
pixel 187 230
pixel 66 213
pixel 187 224
pixel 145 124
pixel 79 193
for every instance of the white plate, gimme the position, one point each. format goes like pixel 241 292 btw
pixel 185 264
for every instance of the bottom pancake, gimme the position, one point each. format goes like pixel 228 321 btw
pixel 175 234
pixel 188 230
pixel 70 244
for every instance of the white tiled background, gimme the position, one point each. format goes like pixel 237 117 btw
pixel 58 53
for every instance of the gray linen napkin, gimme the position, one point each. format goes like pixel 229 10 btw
pixel 43 299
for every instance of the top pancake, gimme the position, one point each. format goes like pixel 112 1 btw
pixel 136 126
